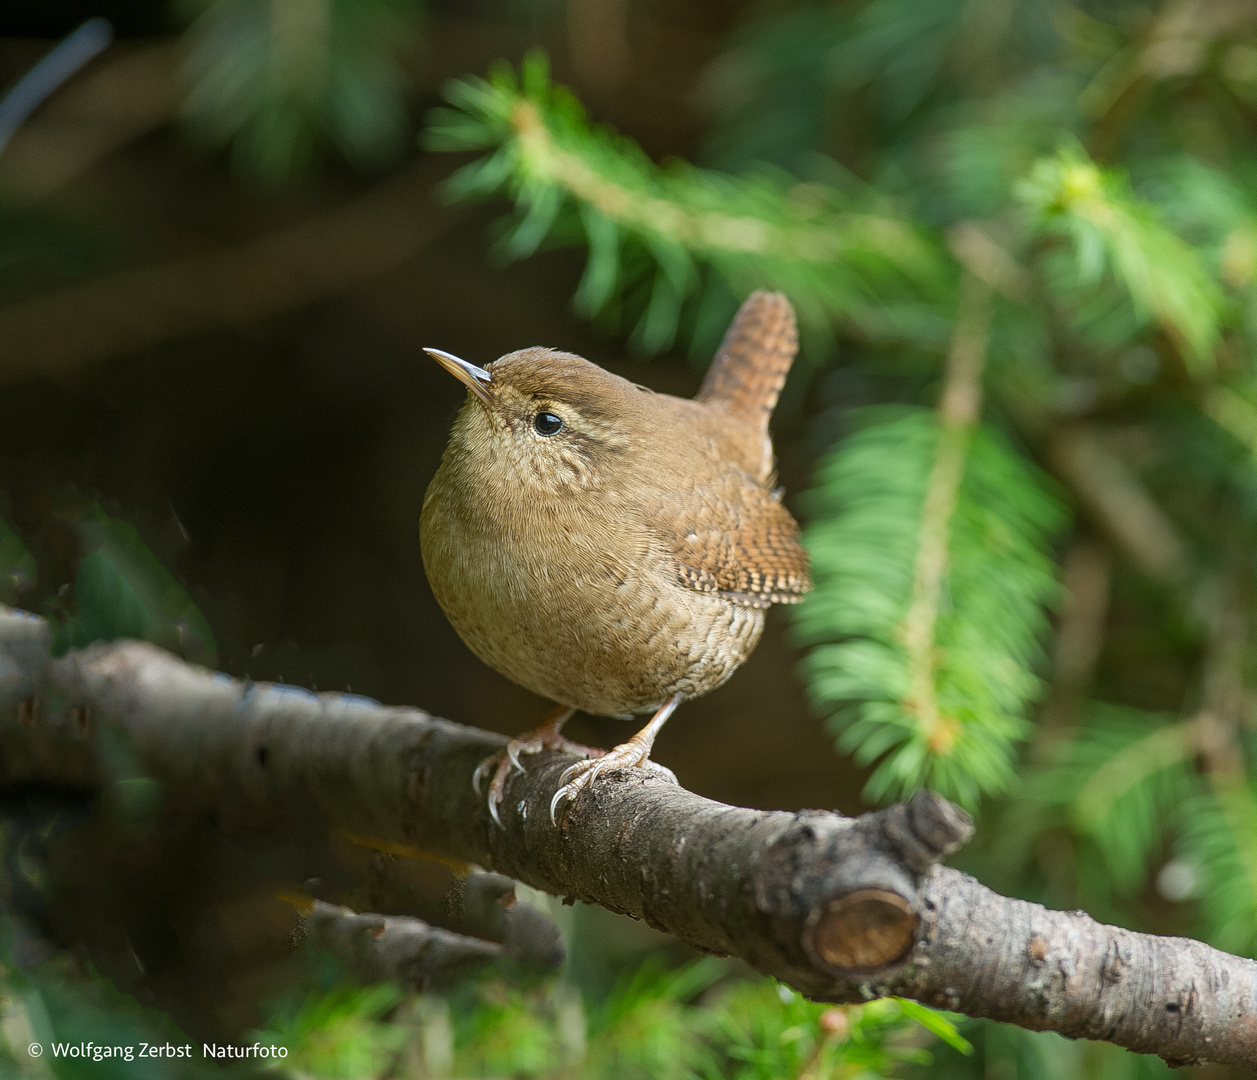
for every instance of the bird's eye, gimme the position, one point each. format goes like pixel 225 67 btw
pixel 546 423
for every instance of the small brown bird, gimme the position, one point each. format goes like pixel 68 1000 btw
pixel 608 547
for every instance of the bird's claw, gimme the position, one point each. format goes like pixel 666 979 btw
pixel 512 752
pixel 481 770
pixel 505 762
pixel 575 778
pixel 494 762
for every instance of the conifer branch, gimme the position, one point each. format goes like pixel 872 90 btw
pixel 1110 229
pixel 843 909
pixel 312 72
pixel 959 409
pixel 696 236
pixel 701 230
pixel 865 542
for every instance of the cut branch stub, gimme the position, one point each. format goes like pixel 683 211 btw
pixel 861 914
pixel 867 930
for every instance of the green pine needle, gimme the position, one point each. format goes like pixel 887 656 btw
pixel 1119 782
pixel 1219 837
pixel 1110 230
pixel 866 511
pixel 840 259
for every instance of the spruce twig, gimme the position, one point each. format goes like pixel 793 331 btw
pixel 959 409
pixel 687 236
pixel 702 231
pixel 1079 639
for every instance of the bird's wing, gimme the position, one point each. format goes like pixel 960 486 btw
pixel 733 536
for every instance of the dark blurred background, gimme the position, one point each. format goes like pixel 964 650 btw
pixel 235 368
pixel 223 248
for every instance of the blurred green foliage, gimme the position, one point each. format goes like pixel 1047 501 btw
pixel 697 1022
pixel 18 571
pixel 1110 232
pixel 1091 165
pixel 701 1021
pixel 278 80
pixel 865 516
pixel 338 1033
pixel 1003 1050
pixel 59 1007
pixel 123 591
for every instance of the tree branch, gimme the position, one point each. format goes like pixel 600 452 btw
pixel 378 948
pixel 133 90
pixel 840 908
pixel 479 906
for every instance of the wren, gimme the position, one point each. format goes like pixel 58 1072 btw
pixel 608 547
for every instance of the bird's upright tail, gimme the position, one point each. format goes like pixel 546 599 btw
pixel 750 367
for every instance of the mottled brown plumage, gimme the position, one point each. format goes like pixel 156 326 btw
pixel 622 563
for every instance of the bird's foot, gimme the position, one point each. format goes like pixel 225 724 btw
pixel 625 756
pixel 503 763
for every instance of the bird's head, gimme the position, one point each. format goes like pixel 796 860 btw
pixel 543 420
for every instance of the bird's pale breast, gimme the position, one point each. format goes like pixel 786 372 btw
pixel 593 617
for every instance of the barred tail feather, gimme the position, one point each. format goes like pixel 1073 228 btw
pixel 750 367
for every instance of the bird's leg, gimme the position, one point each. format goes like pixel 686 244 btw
pixel 548 735
pixel 635 752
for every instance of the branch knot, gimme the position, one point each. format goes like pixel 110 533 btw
pixel 925 830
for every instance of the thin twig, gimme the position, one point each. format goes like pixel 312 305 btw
pixel 1079 639
pixel 128 94
pixel 1120 504
pixel 959 407
pixel 58 65
pixel 378 948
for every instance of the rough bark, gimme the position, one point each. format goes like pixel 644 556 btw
pixel 840 908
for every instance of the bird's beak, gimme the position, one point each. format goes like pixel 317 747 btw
pixel 476 379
